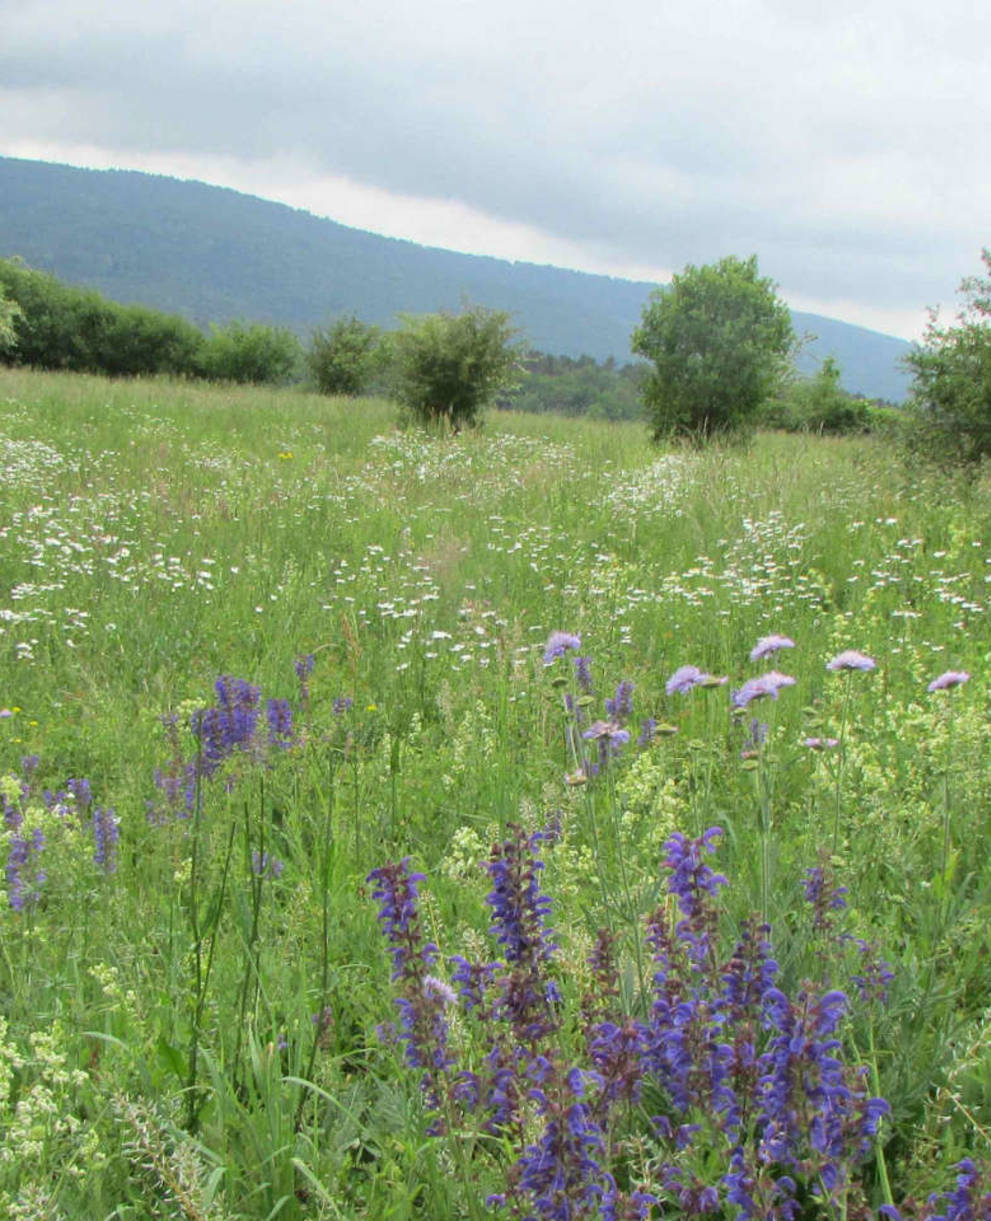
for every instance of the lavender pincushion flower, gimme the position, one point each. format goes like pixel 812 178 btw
pixel 687 678
pixel 850 659
pixel 951 678
pixel 559 643
pixel 756 688
pixel 770 644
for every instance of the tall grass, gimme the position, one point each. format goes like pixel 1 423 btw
pixel 191 1027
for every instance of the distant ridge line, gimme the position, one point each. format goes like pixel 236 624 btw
pixel 214 254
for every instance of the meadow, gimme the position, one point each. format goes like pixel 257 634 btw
pixel 397 826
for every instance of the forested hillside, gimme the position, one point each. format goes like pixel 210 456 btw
pixel 213 255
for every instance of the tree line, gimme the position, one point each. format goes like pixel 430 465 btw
pixel 717 348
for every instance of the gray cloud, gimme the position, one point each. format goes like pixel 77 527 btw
pixel 841 143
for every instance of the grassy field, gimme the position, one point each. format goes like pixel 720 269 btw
pixel 257 646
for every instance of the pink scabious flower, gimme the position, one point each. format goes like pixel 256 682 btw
pixel 756 688
pixel 850 659
pixel 952 678
pixel 821 743
pixel 770 644
pixel 687 678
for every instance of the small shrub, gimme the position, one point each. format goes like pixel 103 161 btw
pixel 344 356
pixel 253 353
pixel 449 366
pixel 819 404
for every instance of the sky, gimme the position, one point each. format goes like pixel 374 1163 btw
pixel 844 142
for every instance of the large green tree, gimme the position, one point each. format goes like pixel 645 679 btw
pixel 951 390
pixel 720 340
pixel 449 366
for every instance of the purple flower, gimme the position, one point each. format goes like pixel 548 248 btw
pixel 558 643
pixel 230 725
pixel 583 673
pixel 106 832
pixel 755 739
pixel 81 791
pixel 342 704
pixel 874 981
pixel 970 1201
pixel 952 678
pixel 607 731
pixel 24 878
pixel 689 875
pixel 304 666
pixel 687 678
pixel 620 707
pixel 824 897
pixel 850 659
pixel 279 717
pixel 756 688
pixel 264 865
pixel 519 908
pixel 821 743
pixel 396 890
pixel 768 645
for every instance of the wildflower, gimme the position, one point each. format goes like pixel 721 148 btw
pixel 397 890
pixel 279 717
pixel 824 897
pixel 519 909
pixel 583 673
pixel 689 874
pixel 756 688
pixel 757 736
pixel 22 869
pixel 971 1199
pixel 952 678
pixel 106 832
pixel 686 678
pixel 620 707
pixel 648 729
pixel 607 731
pixel 821 743
pixel 768 645
pixel 873 984
pixel 559 643
pixel 264 865
pixel 229 726
pixel 519 922
pixel 850 659
pixel 82 792
pixel 342 704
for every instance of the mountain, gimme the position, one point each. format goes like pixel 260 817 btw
pixel 213 254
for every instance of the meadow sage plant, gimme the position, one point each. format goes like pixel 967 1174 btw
pixel 753 1109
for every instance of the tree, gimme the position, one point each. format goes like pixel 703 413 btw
pixel 10 311
pixel 449 366
pixel 720 339
pixel 344 356
pixel 951 389
pixel 62 326
pixel 255 353
pixel 818 404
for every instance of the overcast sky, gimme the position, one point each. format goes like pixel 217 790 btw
pixel 846 143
